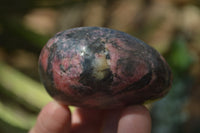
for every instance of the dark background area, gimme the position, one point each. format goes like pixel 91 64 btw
pixel 171 27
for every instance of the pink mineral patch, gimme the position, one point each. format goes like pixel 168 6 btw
pixel 44 58
pixel 101 68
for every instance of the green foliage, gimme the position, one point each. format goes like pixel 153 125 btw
pixel 22 90
pixel 22 86
pixel 179 57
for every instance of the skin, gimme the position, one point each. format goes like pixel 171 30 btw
pixel 57 118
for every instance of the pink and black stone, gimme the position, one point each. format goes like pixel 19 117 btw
pixel 95 67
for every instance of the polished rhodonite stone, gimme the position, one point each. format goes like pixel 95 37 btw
pixel 102 68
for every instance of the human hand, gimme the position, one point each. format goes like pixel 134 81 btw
pixel 56 118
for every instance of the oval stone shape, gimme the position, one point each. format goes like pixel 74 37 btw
pixel 102 68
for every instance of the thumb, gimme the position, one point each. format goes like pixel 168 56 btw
pixel 54 118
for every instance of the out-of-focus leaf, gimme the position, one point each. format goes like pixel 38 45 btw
pixel 22 86
pixel 15 117
pixel 8 128
pixel 179 57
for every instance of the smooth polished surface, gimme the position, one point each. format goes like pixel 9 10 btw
pixel 102 68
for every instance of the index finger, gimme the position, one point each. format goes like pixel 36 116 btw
pixel 135 119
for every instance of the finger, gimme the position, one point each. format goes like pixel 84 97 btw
pixel 111 119
pixel 90 121
pixel 135 119
pixel 54 118
pixel 87 120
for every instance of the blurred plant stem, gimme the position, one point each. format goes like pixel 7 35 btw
pixel 15 117
pixel 22 86
pixel 24 89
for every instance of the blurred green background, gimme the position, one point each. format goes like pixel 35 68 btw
pixel 172 27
